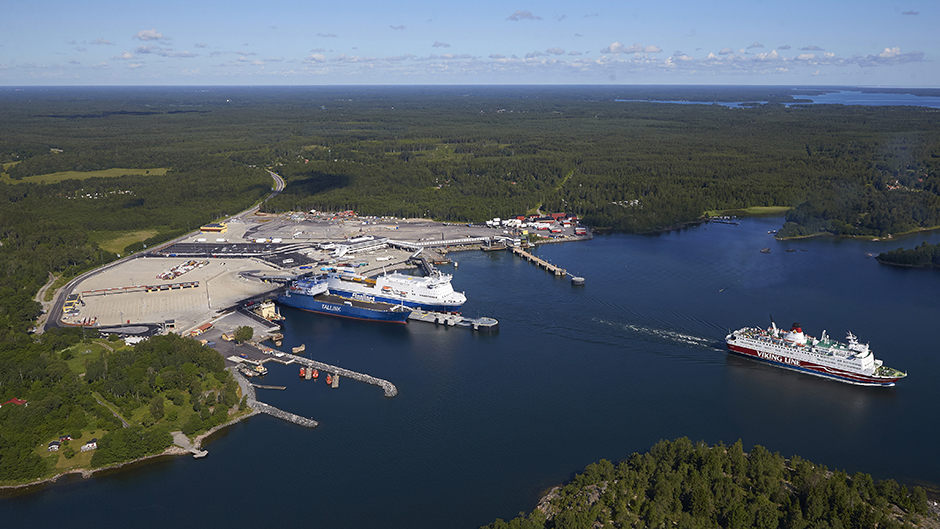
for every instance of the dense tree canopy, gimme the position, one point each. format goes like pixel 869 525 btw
pixel 684 484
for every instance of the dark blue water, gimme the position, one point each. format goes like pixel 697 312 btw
pixel 835 97
pixel 484 424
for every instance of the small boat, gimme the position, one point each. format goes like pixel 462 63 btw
pixel 329 379
pixel 315 374
pixel 299 349
pixel 765 250
pixel 303 372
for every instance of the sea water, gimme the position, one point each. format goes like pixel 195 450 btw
pixel 485 423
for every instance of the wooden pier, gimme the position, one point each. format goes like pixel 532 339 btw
pixel 542 263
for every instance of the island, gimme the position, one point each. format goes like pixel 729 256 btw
pixel 684 484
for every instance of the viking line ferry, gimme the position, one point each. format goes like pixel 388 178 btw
pixel 850 362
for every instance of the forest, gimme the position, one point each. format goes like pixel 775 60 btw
pixel 693 485
pixel 925 255
pixel 76 386
pixel 450 153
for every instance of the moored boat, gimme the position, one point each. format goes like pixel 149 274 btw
pixel 850 362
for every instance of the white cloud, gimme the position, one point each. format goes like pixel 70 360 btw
pixel 149 34
pixel 652 49
pixel 523 15
pixel 200 45
pixel 125 56
pixel 397 28
pixel 328 35
pixel 889 57
pixel 772 55
pixel 534 54
pixel 439 44
pixel 811 48
pixel 575 53
pixel 555 51
pixel 725 51
pixel 913 13
pixel 784 47
pixel 315 58
pixel 755 45
pixel 805 57
pixel 617 47
pixel 497 56
pixel 99 42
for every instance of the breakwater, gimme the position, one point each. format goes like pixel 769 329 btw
pixel 287 359
pixel 252 401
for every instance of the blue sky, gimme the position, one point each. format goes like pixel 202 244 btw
pixel 287 42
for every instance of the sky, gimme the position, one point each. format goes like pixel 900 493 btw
pixel 442 42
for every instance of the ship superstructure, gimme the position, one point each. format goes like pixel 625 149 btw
pixel 433 292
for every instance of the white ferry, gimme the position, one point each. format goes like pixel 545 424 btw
pixel 852 362
pixel 433 292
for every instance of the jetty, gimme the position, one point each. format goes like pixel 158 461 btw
pixel 448 319
pixel 549 267
pixel 287 359
pixel 251 399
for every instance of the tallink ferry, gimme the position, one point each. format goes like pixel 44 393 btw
pixel 433 293
pixel 312 294
pixel 853 362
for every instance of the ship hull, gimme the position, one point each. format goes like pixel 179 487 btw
pixel 811 368
pixel 341 307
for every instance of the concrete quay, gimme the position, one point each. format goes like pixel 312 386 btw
pixel 446 319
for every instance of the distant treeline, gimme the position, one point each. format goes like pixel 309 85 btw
pixel 692 485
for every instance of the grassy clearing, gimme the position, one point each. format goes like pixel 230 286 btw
pixel 82 353
pixel 755 211
pixel 82 175
pixel 115 242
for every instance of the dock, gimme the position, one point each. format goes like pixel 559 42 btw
pixel 447 319
pixel 287 359
pixel 549 267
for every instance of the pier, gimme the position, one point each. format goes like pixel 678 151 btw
pixel 557 270
pixel 287 359
pixel 447 319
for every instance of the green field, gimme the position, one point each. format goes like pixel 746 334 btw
pixel 115 242
pixel 81 175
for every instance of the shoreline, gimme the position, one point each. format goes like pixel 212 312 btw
pixel 173 450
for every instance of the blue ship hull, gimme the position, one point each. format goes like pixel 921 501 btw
pixel 334 305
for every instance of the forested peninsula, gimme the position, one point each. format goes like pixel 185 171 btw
pixel 91 174
pixel 925 255
pixel 693 485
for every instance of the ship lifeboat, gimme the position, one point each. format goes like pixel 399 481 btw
pixel 329 379
pixel 386 288
pixel 315 374
pixel 303 372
